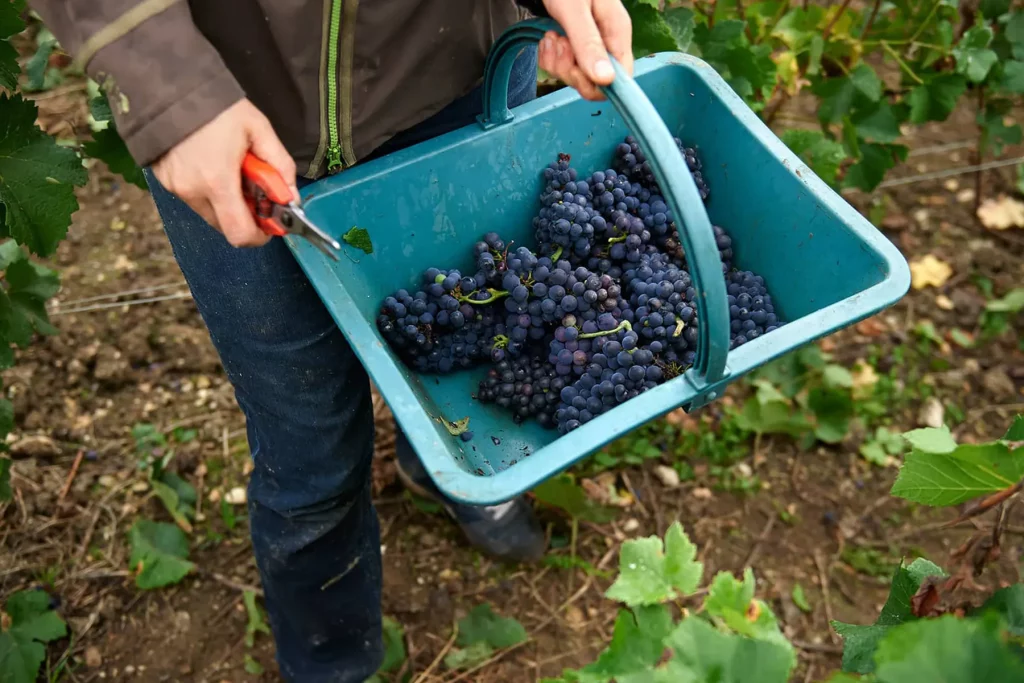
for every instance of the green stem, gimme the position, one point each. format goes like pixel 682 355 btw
pixel 624 325
pixel 679 328
pixel 924 24
pixel 495 295
pixel 556 255
pixel 620 238
pixel 903 65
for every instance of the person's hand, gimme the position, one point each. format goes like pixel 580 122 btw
pixel 593 28
pixel 205 170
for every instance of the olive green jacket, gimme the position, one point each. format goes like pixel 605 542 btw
pixel 336 78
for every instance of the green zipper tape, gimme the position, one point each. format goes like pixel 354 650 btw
pixel 334 141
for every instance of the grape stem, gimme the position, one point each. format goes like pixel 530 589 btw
pixel 556 255
pixel 620 238
pixel 495 295
pixel 624 325
pixel 679 328
pixel 500 341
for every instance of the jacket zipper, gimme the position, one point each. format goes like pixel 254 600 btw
pixel 334 163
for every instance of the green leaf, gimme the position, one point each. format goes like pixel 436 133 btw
pixel 23 304
pixel 10 23
pixel 877 121
pixel 484 626
pixel 876 160
pixel 946 649
pixel 1016 430
pixel 705 655
pixel 32 624
pixel 467 658
pixel 873 452
pixel 457 427
pixel 681 24
pixel 832 410
pixel 159 554
pixel 99 107
pixel 992 120
pixel 637 644
pixel 5 480
pixel 6 417
pixel 251 665
pixel 1012 80
pixel 1014 33
pixel 35 69
pixel 358 238
pixel 169 497
pixel 108 147
pixel 993 9
pixel 860 642
pixel 564 493
pixel 839 94
pixel 1009 604
pixel 651 32
pixel 394 646
pixel 37 179
pixel 970 471
pixel 733 603
pixel 837 377
pixel 973 58
pixel 649 575
pixel 800 599
pixel 931 440
pixel 255 623
pixel 822 155
pixel 1013 302
pixel 936 98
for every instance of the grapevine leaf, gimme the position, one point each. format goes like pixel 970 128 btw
pixel 99 107
pixel 1014 34
pixel 252 665
pixel 992 119
pixel 931 440
pixel 860 642
pixel 467 658
pixel 10 23
pixel 394 645
pixel 637 644
pixel 108 147
pixel 32 623
pixel 993 9
pixel 970 471
pixel 649 575
pixel 832 410
pixel 973 57
pixel 5 480
pixel 6 417
pixel 877 122
pixel 1013 302
pixel 947 649
pixel 838 377
pixel 1016 430
pixel 838 95
pixel 702 653
pixel 822 155
pixel 37 179
pixel 798 28
pixel 651 33
pixel 484 626
pixel 1012 80
pixel 159 554
pixel 875 162
pixel 680 22
pixel 564 493
pixel 800 598
pixel 732 602
pixel 35 69
pixel 935 99
pixel 1009 603
pixel 359 238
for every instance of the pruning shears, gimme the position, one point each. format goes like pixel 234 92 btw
pixel 276 214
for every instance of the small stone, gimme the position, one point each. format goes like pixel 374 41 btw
pixel 965 196
pixel 921 216
pixel 93 658
pixel 944 302
pixel 931 414
pixel 140 486
pixel 702 493
pixel 952 185
pixel 999 384
pixel 107 481
pixel 630 525
pixel 129 669
pixel 744 470
pixel 574 617
pixel 236 496
pixel 37 446
pixel 667 476
pixel 214 496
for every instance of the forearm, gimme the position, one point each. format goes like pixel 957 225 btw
pixel 163 78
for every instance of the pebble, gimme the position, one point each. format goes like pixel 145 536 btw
pixel 631 525
pixel 702 493
pixel 667 476
pixel 931 414
pixel 236 496
pixel 93 658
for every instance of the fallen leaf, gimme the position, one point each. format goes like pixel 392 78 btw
pixel 872 327
pixel 929 271
pixel 457 427
pixel 358 238
pixel 1001 213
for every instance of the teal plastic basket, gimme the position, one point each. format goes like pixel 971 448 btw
pixel 825 265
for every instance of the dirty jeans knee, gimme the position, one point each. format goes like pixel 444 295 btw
pixel 309 417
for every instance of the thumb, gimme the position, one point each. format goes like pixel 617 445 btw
pixel 267 146
pixel 587 45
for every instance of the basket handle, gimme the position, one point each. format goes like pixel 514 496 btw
pixel 669 167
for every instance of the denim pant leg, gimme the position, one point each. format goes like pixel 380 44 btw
pixel 309 418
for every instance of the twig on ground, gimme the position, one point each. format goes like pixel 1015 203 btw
pixel 818 647
pixel 230 583
pixel 440 655
pixel 495 657
pixel 823 576
pixel 756 548
pixel 84 547
pixel 632 492
pixel 71 478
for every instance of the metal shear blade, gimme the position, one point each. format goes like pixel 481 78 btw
pixel 292 218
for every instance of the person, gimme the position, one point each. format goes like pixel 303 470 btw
pixel 312 87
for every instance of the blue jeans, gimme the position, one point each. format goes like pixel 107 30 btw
pixel 309 419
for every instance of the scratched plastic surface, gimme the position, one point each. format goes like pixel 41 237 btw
pixel 826 267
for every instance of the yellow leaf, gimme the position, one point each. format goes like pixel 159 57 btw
pixel 864 379
pixel 929 271
pixel 1001 213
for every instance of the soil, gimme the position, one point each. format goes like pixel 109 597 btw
pixel 124 362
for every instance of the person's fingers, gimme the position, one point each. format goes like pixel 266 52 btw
pixel 617 30
pixel 564 66
pixel 586 88
pixel 233 214
pixel 267 146
pixel 587 45
pixel 546 53
pixel 563 59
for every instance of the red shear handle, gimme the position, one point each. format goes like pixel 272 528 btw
pixel 272 189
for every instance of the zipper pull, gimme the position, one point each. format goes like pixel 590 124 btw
pixel 334 160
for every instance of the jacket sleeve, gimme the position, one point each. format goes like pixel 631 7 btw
pixel 162 77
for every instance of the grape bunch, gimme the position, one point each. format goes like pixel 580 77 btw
pixel 631 160
pixel 601 308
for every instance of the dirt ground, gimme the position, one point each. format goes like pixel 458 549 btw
pixel 124 362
